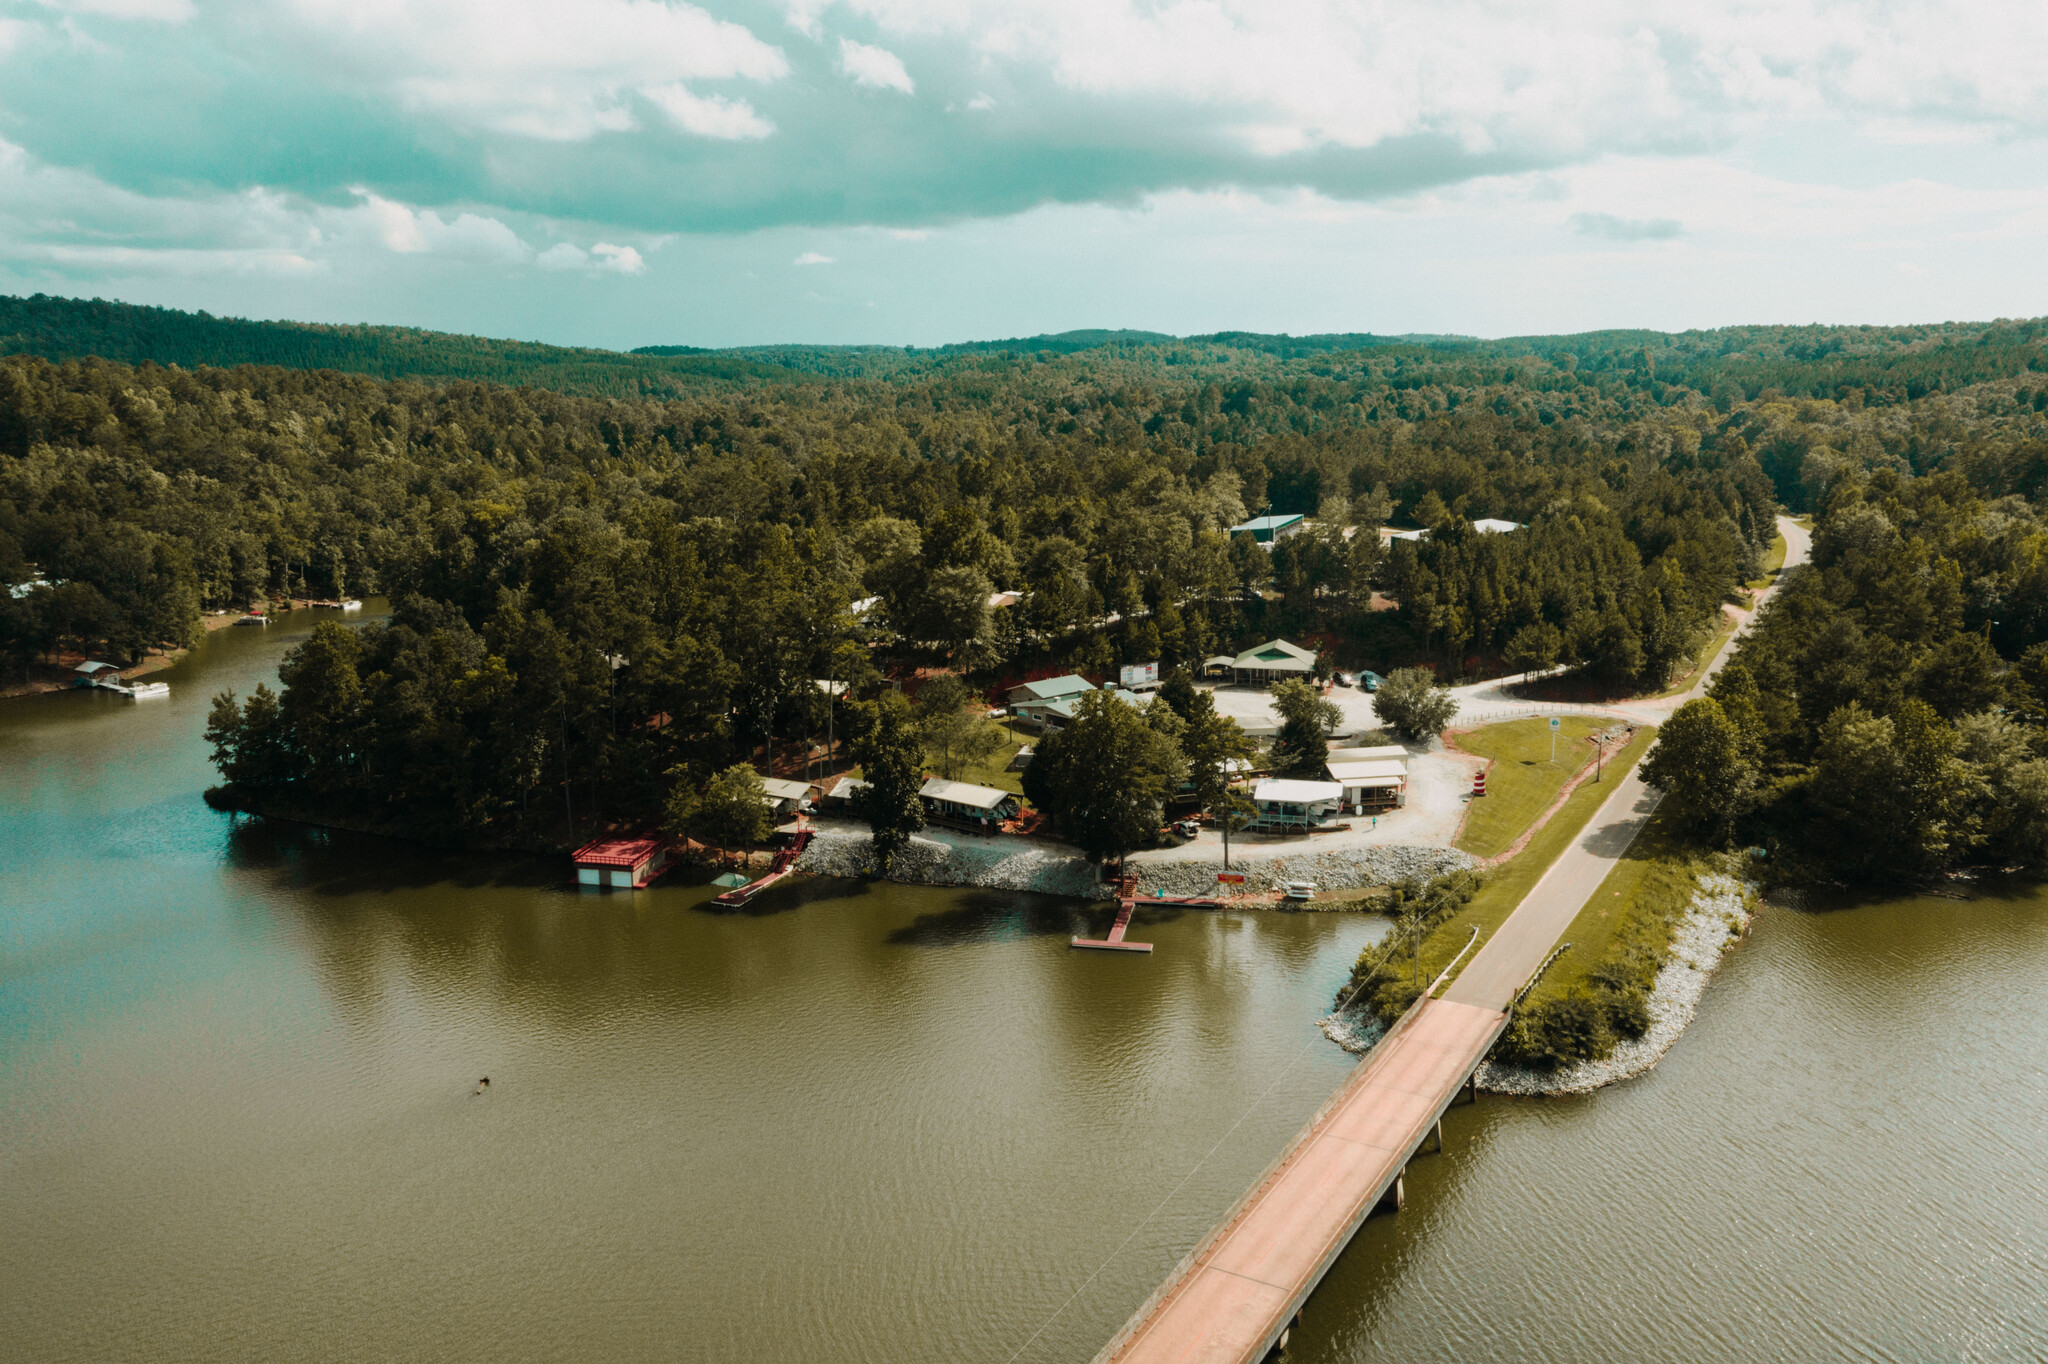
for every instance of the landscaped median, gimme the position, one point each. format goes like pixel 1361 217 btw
pixel 1449 918
pixel 1522 778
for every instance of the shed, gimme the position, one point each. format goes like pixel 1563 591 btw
pixel 627 863
pixel 843 794
pixel 92 670
pixel 1358 755
pixel 1269 662
pixel 1219 666
pixel 1371 784
pixel 958 802
pixel 1267 529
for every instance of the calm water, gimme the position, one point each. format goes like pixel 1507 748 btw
pixel 894 1124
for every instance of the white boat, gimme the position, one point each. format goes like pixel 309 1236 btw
pixel 351 604
pixel 136 691
pixel 1298 890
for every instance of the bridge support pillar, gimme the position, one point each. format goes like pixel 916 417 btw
pixel 1438 1129
pixel 1396 1196
pixel 1472 1087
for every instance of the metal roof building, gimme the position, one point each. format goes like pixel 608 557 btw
pixel 1267 529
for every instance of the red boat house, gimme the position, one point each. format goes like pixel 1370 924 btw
pixel 626 863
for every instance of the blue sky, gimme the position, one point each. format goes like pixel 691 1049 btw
pixel 631 172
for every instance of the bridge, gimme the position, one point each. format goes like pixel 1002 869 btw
pixel 1236 1294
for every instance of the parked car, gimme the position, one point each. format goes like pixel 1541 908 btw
pixel 1187 828
pixel 1370 681
pixel 1346 680
pixel 1299 890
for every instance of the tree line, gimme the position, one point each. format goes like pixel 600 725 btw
pixel 1889 713
pixel 600 599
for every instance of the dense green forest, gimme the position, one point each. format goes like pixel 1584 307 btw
pixel 1886 715
pixel 601 596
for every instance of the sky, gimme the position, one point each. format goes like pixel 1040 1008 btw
pixel 739 172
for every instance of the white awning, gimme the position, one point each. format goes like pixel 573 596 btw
pixel 1359 755
pixel 1351 773
pixel 1298 792
pixel 963 793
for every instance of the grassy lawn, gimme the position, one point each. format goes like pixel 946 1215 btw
pixel 1774 563
pixel 1628 921
pixel 993 773
pixel 1523 780
pixel 1507 885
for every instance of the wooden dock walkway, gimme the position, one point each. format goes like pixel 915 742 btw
pixel 1236 1294
pixel 784 864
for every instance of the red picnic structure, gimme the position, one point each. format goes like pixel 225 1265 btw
pixel 623 863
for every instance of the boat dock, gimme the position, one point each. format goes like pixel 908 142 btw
pixel 1127 903
pixel 784 864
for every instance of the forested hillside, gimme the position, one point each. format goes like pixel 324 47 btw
pixel 626 591
pixel 68 329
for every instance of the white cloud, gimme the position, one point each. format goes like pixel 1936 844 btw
pixel 469 236
pixel 812 258
pixel 731 120
pixel 874 67
pixel 620 260
pixel 162 11
pixel 543 69
pixel 74 223
pixel 1563 80
pixel 982 103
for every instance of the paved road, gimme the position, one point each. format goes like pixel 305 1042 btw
pixel 1237 1290
pixel 1520 944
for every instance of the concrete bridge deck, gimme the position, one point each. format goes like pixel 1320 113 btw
pixel 1229 1301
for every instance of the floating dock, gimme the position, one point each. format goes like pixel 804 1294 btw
pixel 1128 902
pixel 1115 941
pixel 138 691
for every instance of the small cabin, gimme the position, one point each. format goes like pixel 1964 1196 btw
pixel 980 808
pixel 1032 700
pixel 92 672
pixel 786 798
pixel 622 863
pixel 1295 806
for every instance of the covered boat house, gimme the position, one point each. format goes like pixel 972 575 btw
pixel 623 863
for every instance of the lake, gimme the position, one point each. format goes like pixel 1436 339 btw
pixel 238 1117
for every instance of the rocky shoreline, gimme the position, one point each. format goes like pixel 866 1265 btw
pixel 1721 911
pixel 1007 865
